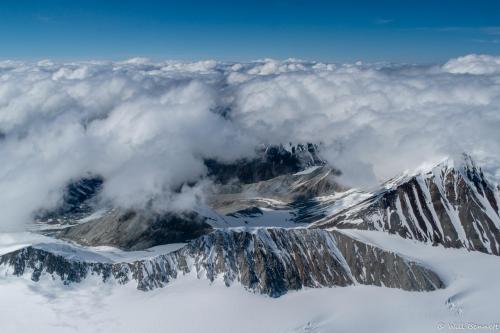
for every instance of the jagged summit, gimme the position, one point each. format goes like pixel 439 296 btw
pixel 271 161
pixel 451 204
pixel 464 163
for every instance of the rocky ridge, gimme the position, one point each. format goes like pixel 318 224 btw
pixel 269 261
pixel 453 205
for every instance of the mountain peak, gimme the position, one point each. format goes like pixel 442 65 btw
pixel 451 204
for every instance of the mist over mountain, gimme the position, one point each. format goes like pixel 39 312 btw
pixel 147 128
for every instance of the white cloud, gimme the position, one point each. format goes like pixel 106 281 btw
pixel 474 64
pixel 147 126
pixel 389 118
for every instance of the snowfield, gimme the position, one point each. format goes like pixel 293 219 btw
pixel 192 305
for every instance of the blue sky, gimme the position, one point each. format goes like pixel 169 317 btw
pixel 403 31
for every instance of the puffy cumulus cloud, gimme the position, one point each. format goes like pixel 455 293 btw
pixel 145 130
pixel 474 64
pixel 146 127
pixel 375 121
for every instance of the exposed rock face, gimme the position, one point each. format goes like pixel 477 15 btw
pixel 452 206
pixel 268 261
pixel 136 230
pixel 272 161
pixel 288 189
pixel 317 208
pixel 373 266
pixel 39 262
pixel 77 201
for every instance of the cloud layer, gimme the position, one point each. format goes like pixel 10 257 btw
pixel 146 127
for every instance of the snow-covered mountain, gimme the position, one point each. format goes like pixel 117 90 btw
pixel 453 204
pixel 276 233
pixel 270 261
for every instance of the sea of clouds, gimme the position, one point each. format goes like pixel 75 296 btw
pixel 146 127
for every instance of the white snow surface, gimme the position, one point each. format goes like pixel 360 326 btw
pixel 282 218
pixel 192 305
pixel 13 241
pixel 307 170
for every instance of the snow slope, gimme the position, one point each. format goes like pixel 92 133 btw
pixel 452 204
pixel 14 241
pixel 192 305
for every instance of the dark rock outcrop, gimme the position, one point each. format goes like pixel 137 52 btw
pixel 292 189
pixel 271 161
pixel 78 200
pixel 136 230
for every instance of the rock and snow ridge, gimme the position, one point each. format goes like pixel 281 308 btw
pixel 270 261
pixel 270 161
pixel 452 204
